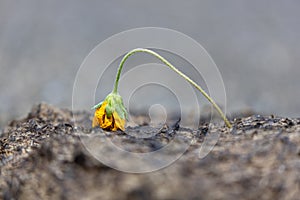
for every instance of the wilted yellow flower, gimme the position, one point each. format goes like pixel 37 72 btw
pixel 110 114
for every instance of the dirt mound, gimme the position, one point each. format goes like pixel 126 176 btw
pixel 43 157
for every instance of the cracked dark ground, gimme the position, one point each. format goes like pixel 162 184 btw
pixel 42 157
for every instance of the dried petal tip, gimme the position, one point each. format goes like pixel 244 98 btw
pixel 110 114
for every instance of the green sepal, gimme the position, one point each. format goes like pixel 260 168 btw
pixel 114 103
pixel 109 110
pixel 97 105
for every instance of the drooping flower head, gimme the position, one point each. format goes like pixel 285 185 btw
pixel 110 114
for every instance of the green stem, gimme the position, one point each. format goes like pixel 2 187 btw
pixel 174 69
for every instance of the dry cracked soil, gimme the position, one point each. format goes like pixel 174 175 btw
pixel 43 157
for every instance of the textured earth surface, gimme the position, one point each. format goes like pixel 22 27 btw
pixel 43 157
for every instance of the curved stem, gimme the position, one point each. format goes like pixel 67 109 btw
pixel 174 69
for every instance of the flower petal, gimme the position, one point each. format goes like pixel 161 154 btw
pixel 106 122
pixel 119 123
pixel 102 110
pixel 95 121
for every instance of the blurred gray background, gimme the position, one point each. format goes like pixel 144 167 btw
pixel 254 43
